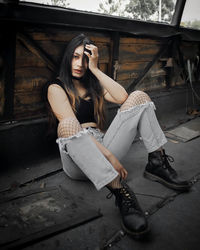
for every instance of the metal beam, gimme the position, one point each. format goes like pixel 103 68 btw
pixel 48 15
pixel 176 20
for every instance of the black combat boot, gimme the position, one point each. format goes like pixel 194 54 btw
pixel 158 169
pixel 134 221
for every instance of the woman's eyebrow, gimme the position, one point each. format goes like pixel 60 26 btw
pixel 76 53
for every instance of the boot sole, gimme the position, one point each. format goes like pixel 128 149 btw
pixel 167 184
pixel 135 235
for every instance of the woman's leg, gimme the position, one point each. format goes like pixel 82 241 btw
pixel 137 113
pixel 76 144
pixel 87 157
pixel 131 117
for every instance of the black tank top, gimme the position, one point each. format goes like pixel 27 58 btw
pixel 84 110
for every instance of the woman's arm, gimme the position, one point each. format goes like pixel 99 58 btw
pixel 59 102
pixel 115 92
pixel 112 159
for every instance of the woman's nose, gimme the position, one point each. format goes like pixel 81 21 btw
pixel 80 62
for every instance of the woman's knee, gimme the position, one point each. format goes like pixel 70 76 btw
pixel 137 97
pixel 68 127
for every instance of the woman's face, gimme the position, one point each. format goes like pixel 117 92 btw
pixel 79 63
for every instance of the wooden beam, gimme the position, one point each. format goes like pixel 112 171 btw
pixel 136 82
pixel 36 50
pixel 9 43
pixel 115 54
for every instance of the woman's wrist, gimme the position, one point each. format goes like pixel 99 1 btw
pixel 95 71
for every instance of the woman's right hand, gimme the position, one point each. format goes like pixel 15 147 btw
pixel 118 166
pixel 112 159
pixel 93 56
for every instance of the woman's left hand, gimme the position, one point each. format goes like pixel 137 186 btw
pixel 93 57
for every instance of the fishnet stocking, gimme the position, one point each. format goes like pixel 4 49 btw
pixel 135 98
pixel 68 127
pixel 116 183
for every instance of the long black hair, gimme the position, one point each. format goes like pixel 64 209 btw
pixel 89 81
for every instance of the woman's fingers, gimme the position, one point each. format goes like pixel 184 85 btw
pixel 118 167
pixel 87 54
pixel 92 48
pixel 124 173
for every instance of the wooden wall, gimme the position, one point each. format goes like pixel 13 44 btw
pixel 134 55
pixel 32 71
pixel 39 51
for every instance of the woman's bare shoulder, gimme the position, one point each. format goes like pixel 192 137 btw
pixel 55 89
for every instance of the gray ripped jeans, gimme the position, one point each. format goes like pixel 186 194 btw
pixel 81 159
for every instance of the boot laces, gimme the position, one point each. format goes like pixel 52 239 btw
pixel 125 197
pixel 169 158
pixel 166 160
pixel 128 197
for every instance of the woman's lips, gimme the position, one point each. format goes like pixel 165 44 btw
pixel 77 71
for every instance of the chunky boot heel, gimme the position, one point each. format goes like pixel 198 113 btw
pixel 150 176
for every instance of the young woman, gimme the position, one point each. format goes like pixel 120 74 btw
pixel 76 99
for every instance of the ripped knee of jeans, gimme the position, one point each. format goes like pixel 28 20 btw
pixel 136 98
pixel 68 127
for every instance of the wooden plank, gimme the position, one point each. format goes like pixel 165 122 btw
pixel 64 35
pixel 25 101
pixel 25 58
pixel 190 50
pixel 147 84
pixel 130 70
pixel 150 83
pixel 2 99
pixel 114 63
pixel 28 79
pixel 103 67
pixel 36 50
pixel 132 40
pixel 137 52
pixel 8 42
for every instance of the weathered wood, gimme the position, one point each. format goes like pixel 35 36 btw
pixel 2 86
pixel 24 57
pixel 8 55
pixel 28 104
pixel 65 35
pixel 143 74
pixel 30 78
pixel 29 43
pixel 41 46
pixel 130 70
pixel 137 52
pixel 190 50
pixel 149 83
pixel 113 65
pixel 133 40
